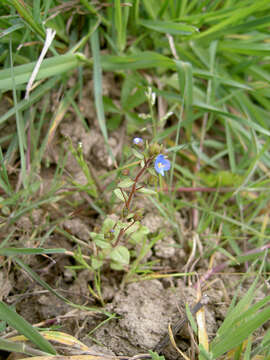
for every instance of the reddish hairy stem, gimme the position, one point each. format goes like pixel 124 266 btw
pixel 121 233
pixel 132 192
pixel 133 189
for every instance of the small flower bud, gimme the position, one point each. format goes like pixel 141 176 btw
pixel 144 116
pixel 138 141
pixel 155 149
pixel 165 117
pixel 97 229
pixel 125 213
pixel 151 96
pixel 125 172
pixel 138 215
pixel 109 235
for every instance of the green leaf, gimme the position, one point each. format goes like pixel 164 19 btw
pixel 156 356
pixel 120 195
pixel 120 255
pixel 140 234
pixel 147 191
pixel 127 182
pixel 103 244
pixel 137 154
pixel 96 263
pixel 108 224
pixel 96 236
pixel 116 266
pixel 100 241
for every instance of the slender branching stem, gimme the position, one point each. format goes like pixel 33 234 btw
pixel 147 163
pixel 127 205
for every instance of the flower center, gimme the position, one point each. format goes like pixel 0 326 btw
pixel 160 165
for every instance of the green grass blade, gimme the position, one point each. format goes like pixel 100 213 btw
pixel 24 328
pixel 20 124
pixel 29 251
pixel 235 17
pixel 35 277
pixel 98 89
pixel 169 27
pixel 4 181
pixel 238 334
pixel 118 20
pixel 34 97
pixel 15 347
pixel 49 67
pixel 46 286
pixel 25 12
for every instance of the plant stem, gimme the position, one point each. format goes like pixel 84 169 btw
pixel 134 188
pixel 137 178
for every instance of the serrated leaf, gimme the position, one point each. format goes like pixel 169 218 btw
pixel 147 191
pixel 119 194
pixel 127 182
pixel 137 154
pixel 120 255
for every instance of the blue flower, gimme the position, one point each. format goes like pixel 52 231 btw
pixel 162 164
pixel 137 141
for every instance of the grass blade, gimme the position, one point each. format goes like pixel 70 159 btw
pixel 50 67
pixel 29 251
pixel 24 328
pixel 98 89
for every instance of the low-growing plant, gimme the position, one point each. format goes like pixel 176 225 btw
pixel 113 242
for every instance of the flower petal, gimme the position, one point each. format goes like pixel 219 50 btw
pixel 162 164
pixel 137 140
